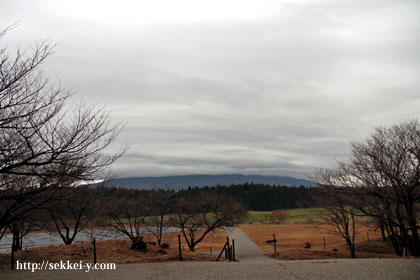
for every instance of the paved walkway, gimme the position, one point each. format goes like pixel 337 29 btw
pixel 343 269
pixel 245 249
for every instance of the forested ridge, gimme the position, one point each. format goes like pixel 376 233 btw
pixel 256 197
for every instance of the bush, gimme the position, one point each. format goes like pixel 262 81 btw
pixel 279 216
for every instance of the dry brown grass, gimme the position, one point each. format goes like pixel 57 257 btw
pixel 292 239
pixel 118 251
pixel 214 240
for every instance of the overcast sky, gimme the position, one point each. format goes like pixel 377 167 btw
pixel 217 87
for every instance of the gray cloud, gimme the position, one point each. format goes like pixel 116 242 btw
pixel 276 94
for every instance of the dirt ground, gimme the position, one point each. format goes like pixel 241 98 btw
pixel 291 240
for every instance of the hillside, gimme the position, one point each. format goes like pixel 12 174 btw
pixel 180 182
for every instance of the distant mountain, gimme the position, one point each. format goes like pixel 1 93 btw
pixel 180 182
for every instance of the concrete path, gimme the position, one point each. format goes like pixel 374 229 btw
pixel 245 248
pixel 343 269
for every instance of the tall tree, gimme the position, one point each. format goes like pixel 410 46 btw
pixel 384 174
pixel 44 141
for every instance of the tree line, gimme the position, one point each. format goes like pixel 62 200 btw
pixel 259 197
pixel 130 212
pixel 197 212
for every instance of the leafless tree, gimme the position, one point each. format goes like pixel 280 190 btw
pixel 19 228
pixel 160 202
pixel 337 211
pixel 44 141
pixel 26 195
pixel 384 174
pixel 72 212
pixel 202 216
pixel 128 215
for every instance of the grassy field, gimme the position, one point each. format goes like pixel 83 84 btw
pixel 296 216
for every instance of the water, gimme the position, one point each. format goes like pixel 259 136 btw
pixel 42 239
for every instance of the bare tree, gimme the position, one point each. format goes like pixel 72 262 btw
pixel 44 141
pixel 26 195
pixel 19 228
pixel 73 212
pixel 159 206
pixel 337 211
pixel 384 174
pixel 128 215
pixel 202 216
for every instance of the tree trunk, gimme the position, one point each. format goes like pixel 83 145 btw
pixel 352 251
pixel 394 239
pixel 15 242
pixel 351 246
pixel 160 230
pixel 382 227
pixel 415 242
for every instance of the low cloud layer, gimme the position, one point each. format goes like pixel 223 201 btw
pixel 278 88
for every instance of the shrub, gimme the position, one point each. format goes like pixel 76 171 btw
pixel 279 216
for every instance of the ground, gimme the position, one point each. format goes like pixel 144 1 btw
pixel 300 228
pixel 291 239
pixel 253 264
pixel 343 269
pixel 118 251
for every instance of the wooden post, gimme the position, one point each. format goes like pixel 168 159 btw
pixel 221 252
pixel 94 250
pixel 404 252
pixel 233 250
pixel 325 245
pixel 367 234
pixel 275 241
pixel 211 253
pixel 12 256
pixel 228 249
pixel 179 247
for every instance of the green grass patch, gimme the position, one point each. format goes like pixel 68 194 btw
pixel 296 216
pixel 257 217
